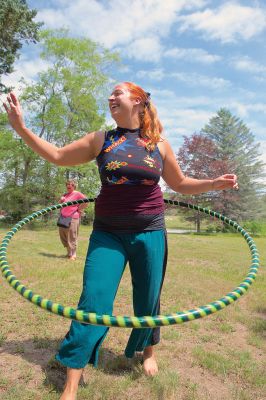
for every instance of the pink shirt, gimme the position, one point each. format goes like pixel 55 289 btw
pixel 69 210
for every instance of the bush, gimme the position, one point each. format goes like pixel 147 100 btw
pixel 88 216
pixel 211 228
pixel 253 227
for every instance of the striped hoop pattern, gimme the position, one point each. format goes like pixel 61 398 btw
pixel 127 321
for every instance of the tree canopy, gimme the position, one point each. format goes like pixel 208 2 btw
pixel 225 145
pixel 67 101
pixel 198 158
pixel 236 145
pixel 16 27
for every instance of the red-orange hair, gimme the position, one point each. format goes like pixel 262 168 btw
pixel 150 125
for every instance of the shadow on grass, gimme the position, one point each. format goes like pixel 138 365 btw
pixel 41 351
pixel 50 255
pixel 117 364
pixel 261 310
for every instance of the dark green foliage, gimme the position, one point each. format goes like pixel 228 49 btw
pixel 16 26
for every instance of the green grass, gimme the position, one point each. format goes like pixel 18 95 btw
pixel 210 225
pixel 178 222
pixel 2 339
pixel 221 356
pixel 240 364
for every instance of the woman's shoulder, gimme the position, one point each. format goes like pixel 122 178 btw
pixel 95 140
pixel 95 135
pixel 163 146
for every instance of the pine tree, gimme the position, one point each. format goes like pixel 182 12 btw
pixel 235 143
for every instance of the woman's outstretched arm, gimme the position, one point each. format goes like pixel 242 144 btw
pixel 178 182
pixel 77 152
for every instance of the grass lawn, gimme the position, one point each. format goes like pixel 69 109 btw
pixel 222 356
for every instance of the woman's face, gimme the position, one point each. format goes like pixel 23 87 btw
pixel 69 187
pixel 120 102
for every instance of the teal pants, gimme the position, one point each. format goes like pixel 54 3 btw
pixel 107 256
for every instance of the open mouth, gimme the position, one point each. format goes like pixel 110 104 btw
pixel 114 106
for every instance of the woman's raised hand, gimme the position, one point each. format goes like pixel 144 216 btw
pixel 228 181
pixel 14 111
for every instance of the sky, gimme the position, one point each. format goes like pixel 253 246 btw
pixel 194 56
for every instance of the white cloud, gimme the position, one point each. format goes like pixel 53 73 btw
pixel 144 49
pixel 228 23
pixel 27 69
pixel 192 79
pixel 169 98
pixel 156 74
pixel 180 115
pixel 257 129
pixel 257 107
pixel 125 23
pixel 247 64
pixel 245 109
pixel 182 121
pixel 24 68
pixel 124 68
pixel 115 23
pixel 240 108
pixel 52 18
pixel 192 55
pixel 263 150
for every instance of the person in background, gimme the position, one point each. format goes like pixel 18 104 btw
pixel 69 236
pixel 129 220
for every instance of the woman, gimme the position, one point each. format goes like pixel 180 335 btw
pixel 129 221
pixel 69 236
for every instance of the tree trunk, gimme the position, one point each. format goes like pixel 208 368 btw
pixel 198 222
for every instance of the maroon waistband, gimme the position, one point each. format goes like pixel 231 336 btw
pixel 129 199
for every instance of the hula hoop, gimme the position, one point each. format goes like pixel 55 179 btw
pixel 127 321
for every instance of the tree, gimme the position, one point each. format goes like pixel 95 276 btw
pixel 198 158
pixel 16 162
pixel 236 145
pixel 16 26
pixel 64 104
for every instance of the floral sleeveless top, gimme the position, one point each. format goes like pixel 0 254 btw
pixel 124 159
pixel 130 198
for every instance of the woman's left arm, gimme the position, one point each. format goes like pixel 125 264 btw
pixel 82 206
pixel 177 181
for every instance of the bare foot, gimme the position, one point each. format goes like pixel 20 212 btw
pixel 150 366
pixel 66 395
pixel 72 258
pixel 71 385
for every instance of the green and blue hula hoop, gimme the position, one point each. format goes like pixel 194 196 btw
pixel 127 321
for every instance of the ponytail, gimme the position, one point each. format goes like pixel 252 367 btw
pixel 150 125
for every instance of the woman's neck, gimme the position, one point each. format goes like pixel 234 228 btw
pixel 131 127
pixel 121 129
pixel 128 123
